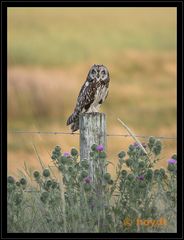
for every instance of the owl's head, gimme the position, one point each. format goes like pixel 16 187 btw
pixel 98 73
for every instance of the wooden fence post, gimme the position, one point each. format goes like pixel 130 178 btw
pixel 92 130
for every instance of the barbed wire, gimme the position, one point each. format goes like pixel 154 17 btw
pixel 69 133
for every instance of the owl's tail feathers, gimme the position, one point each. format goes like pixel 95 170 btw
pixel 70 120
pixel 74 119
pixel 75 126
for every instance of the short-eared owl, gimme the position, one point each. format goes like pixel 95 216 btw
pixel 92 94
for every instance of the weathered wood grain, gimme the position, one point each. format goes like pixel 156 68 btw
pixel 92 130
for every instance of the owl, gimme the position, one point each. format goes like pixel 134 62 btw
pixel 92 94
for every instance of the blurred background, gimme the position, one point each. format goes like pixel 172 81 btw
pixel 50 51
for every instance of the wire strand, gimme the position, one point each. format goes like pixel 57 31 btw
pixel 69 133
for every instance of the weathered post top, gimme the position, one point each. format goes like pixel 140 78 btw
pixel 92 130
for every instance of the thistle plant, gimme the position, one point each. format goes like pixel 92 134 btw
pixel 84 197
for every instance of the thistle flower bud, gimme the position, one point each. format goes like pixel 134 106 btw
pixel 48 183
pixel 131 147
pixel 93 147
pixel 57 148
pixel 54 156
pixel 53 152
pixel 107 176
pixel 123 173
pixel 91 154
pixel 10 180
pixel 157 147
pixel 149 175
pixel 129 162
pixel 56 153
pixel 174 156
pixel 158 142
pixel 171 167
pixel 18 184
pixel 110 182
pixel 162 172
pixel 36 174
pixel 74 152
pixel 84 164
pixel 157 150
pixel 54 184
pixel 23 181
pixel 156 173
pixel 46 172
pixel 152 140
pixel 122 154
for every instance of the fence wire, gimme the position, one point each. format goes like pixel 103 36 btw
pixel 69 133
pixel 77 133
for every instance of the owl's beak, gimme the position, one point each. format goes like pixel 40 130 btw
pixel 98 77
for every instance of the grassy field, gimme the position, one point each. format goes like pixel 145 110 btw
pixel 49 54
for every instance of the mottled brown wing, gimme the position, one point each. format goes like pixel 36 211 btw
pixel 86 96
pixel 84 100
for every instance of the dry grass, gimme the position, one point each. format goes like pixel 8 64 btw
pixel 65 36
pixel 42 99
pixel 50 52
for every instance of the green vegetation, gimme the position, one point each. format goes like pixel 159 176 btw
pixel 137 199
